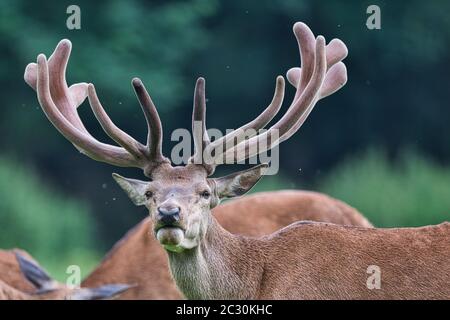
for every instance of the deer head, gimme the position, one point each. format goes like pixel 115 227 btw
pixel 179 199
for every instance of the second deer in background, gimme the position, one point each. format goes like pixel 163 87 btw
pixel 40 286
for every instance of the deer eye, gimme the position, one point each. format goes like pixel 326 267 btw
pixel 205 194
pixel 148 194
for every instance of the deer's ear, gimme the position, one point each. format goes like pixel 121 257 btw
pixel 35 274
pixel 135 189
pixel 239 183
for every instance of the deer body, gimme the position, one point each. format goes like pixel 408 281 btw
pixel 139 259
pixel 309 260
pixel 331 262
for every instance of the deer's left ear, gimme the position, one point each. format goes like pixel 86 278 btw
pixel 239 183
pixel 135 189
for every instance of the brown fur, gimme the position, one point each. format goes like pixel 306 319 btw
pixel 62 292
pixel 31 282
pixel 10 270
pixel 330 262
pixel 9 293
pixel 139 259
pixel 319 261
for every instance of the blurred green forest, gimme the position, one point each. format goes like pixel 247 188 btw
pixel 382 143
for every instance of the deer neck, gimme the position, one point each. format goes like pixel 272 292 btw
pixel 222 266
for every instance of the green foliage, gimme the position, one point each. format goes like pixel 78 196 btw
pixel 412 191
pixel 38 218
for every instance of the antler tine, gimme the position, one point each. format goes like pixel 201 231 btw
pixel 122 138
pixel 66 99
pixel 155 135
pixel 335 78
pixel 218 147
pixel 306 44
pixel 336 51
pixel 201 138
pixel 299 107
pixel 86 143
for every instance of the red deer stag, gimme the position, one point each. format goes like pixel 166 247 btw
pixel 265 213
pixel 42 287
pixel 301 261
pixel 207 262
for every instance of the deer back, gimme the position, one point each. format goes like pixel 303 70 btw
pixel 324 261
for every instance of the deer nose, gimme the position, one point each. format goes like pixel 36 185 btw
pixel 169 215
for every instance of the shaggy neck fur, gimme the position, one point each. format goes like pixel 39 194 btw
pixel 221 267
pixel 9 293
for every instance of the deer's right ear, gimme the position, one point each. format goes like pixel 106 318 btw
pixel 135 189
pixel 35 274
